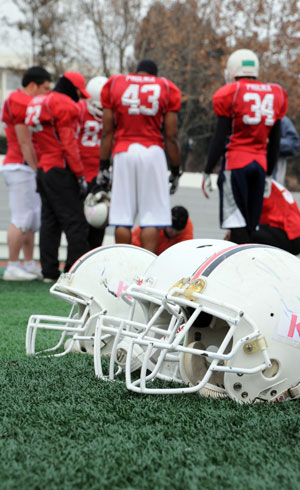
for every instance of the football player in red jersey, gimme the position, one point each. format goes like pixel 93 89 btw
pixel 279 222
pixel 135 109
pixel 247 135
pixel 54 120
pixel 19 172
pixel 89 137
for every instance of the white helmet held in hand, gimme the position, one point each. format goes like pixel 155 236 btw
pixel 96 208
pixel 241 63
pixel 94 87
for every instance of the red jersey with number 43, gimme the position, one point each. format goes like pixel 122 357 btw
pixel 89 138
pixel 139 103
pixel 254 107
pixel 53 118
pixel 14 112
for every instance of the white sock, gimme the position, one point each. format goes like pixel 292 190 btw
pixel 13 264
pixel 28 262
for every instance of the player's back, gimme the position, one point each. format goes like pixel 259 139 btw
pixel 46 114
pixel 254 107
pixel 139 103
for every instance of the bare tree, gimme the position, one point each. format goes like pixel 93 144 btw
pixel 114 24
pixel 188 52
pixel 269 28
pixel 46 23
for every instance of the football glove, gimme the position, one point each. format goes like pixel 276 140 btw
pixel 103 180
pixel 175 175
pixel 83 187
pixel 206 184
pixel 268 186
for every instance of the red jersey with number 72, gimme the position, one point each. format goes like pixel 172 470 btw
pixel 139 103
pixel 254 107
pixel 53 119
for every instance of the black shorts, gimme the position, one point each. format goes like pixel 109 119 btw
pixel 269 235
pixel 241 196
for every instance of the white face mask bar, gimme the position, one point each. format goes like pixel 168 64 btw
pixel 233 317
pixel 68 326
pixel 124 330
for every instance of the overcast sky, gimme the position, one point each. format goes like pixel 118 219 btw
pixel 13 41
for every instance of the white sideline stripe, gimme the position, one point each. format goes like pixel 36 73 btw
pixel 188 179
pixel 62 252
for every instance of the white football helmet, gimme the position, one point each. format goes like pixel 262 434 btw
pixel 94 87
pixel 241 335
pixel 96 207
pixel 241 63
pixel 150 294
pixel 93 286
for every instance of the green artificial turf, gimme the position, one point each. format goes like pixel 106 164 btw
pixel 61 428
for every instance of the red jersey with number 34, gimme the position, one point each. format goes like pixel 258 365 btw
pixel 254 107
pixel 89 138
pixel 139 103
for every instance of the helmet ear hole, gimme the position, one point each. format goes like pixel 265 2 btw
pixel 271 371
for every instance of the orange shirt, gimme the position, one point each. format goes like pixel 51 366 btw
pixel 163 241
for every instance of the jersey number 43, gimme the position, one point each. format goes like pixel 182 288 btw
pixel 142 99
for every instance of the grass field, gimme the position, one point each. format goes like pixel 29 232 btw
pixel 61 428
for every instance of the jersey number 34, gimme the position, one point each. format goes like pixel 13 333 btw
pixel 259 108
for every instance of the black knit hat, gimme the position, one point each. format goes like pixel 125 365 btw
pixel 65 86
pixel 36 74
pixel 148 66
pixel 180 217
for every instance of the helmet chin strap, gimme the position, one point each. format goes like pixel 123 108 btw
pixel 291 394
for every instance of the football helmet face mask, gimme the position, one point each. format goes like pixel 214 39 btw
pixel 93 286
pixel 241 63
pixel 241 338
pixel 96 208
pixel 150 295
pixel 94 87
